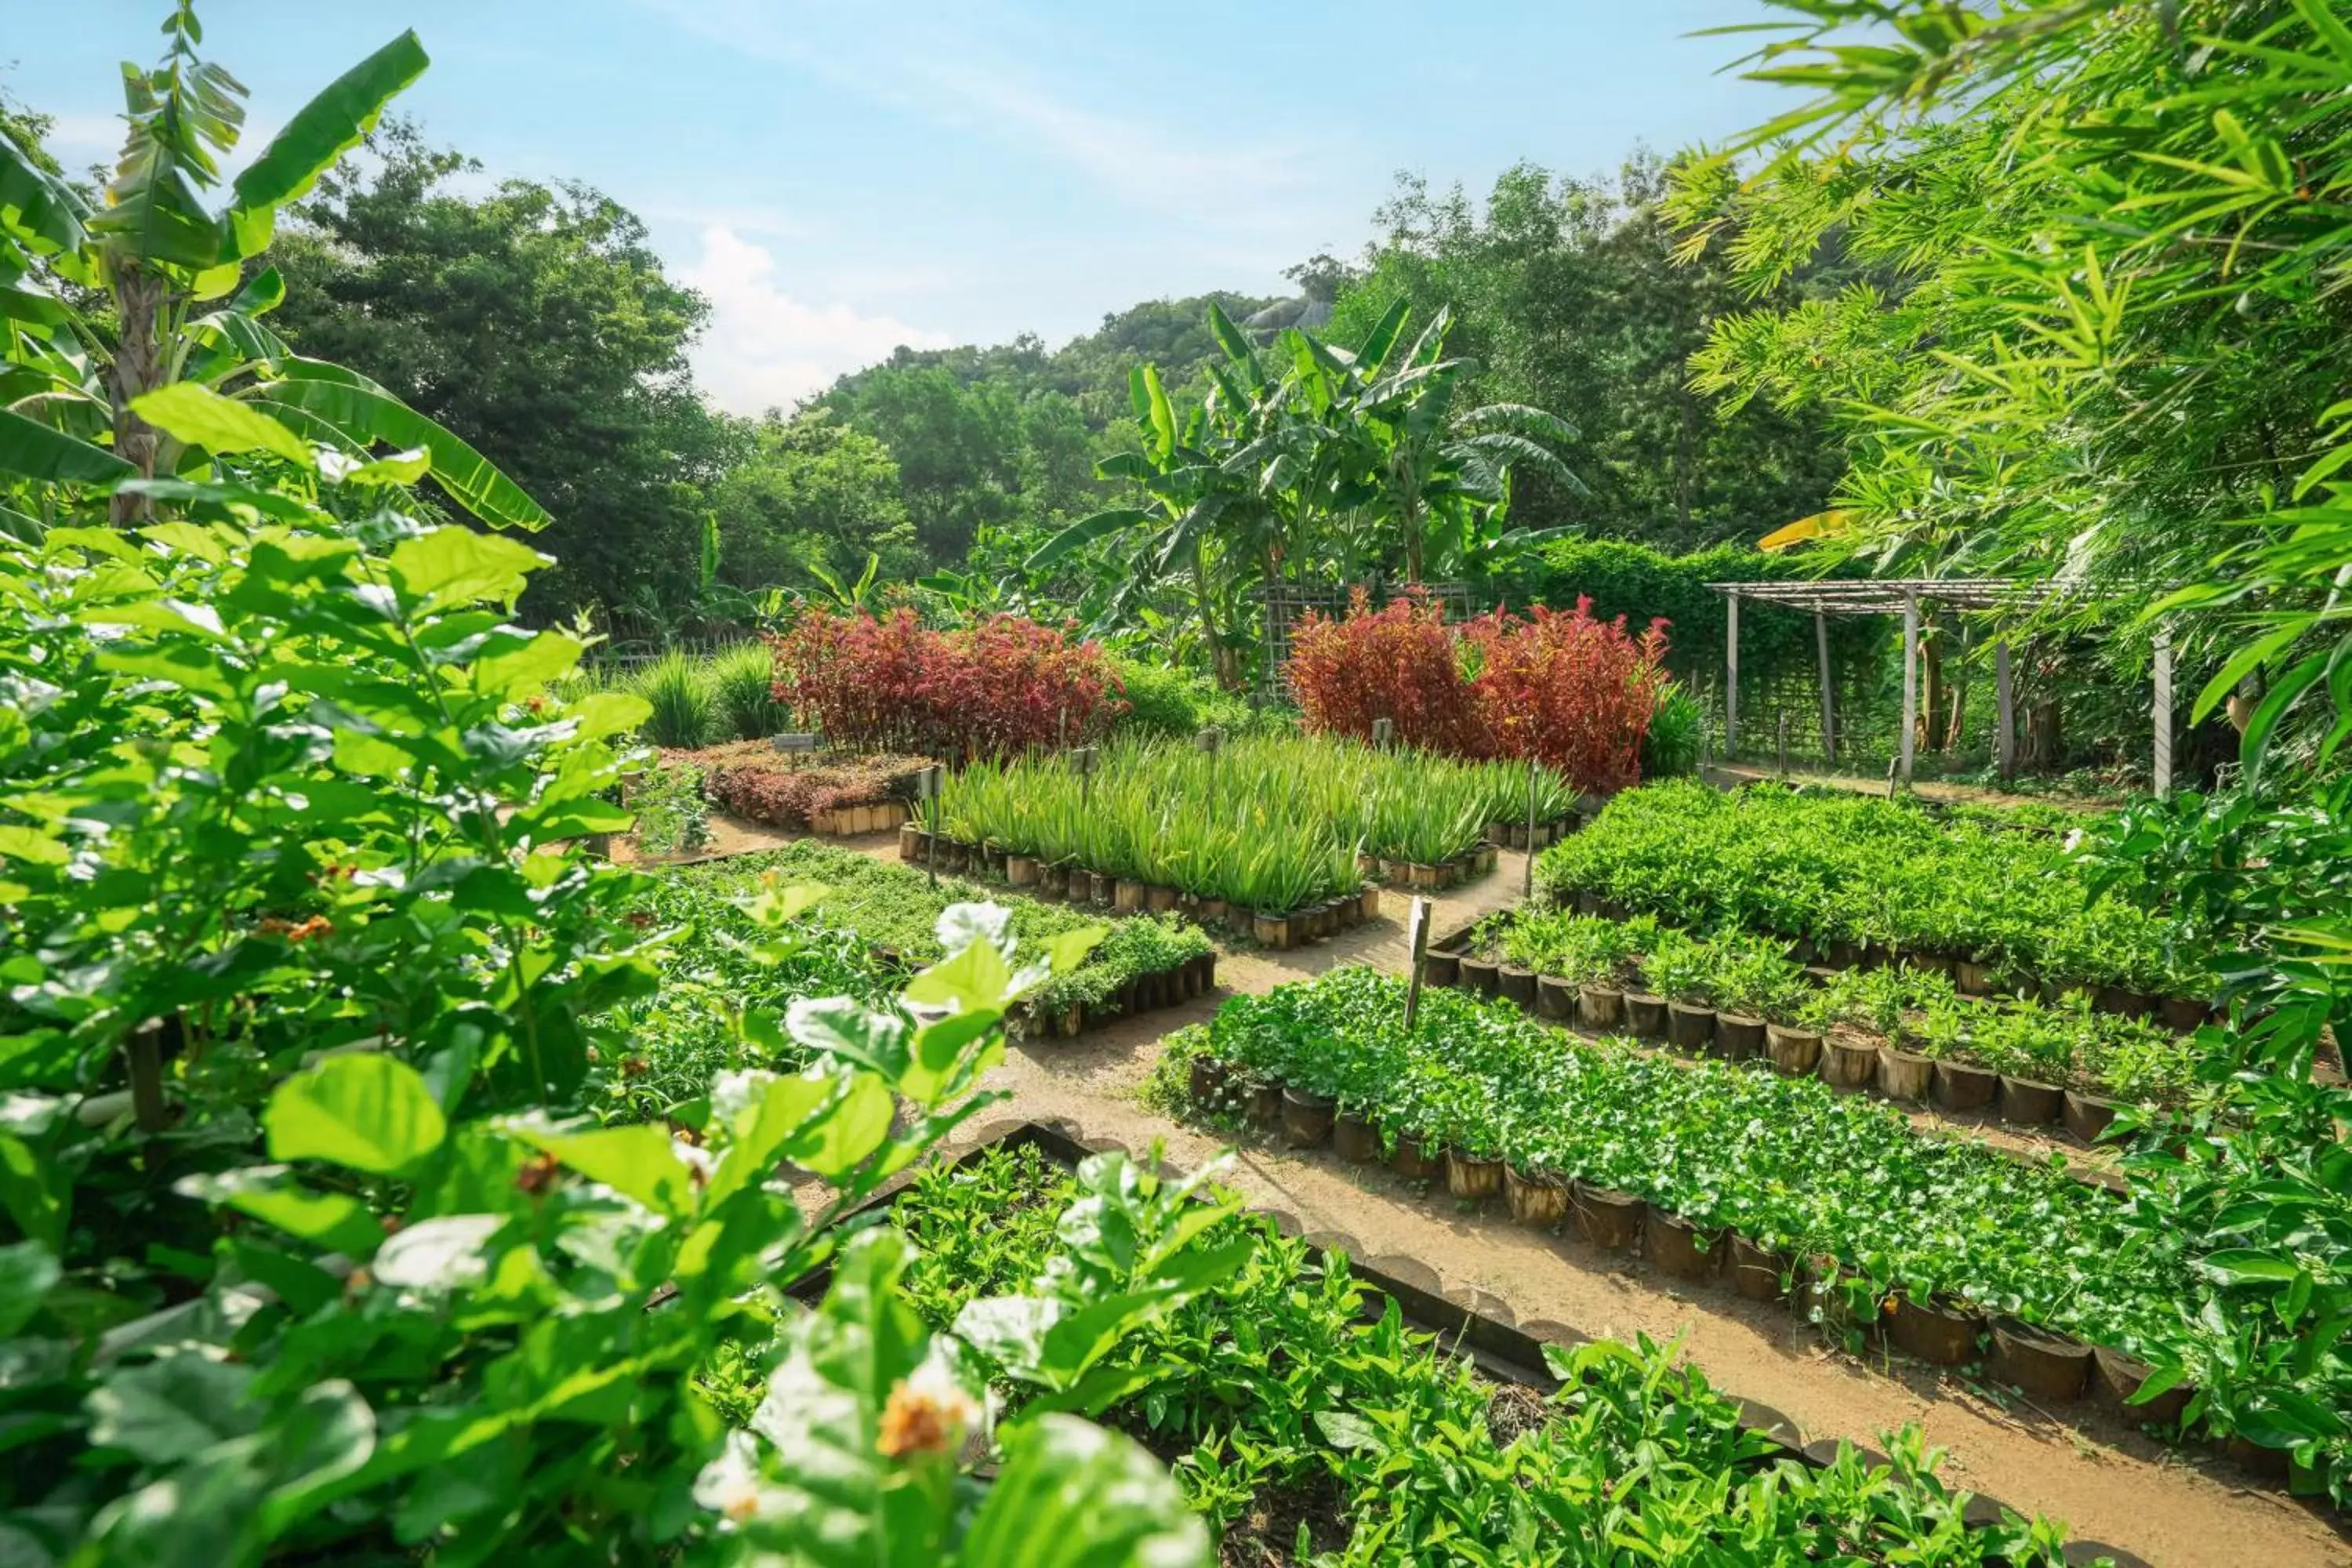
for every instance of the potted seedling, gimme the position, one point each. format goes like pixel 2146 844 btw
pixel 1794 1017
pixel 1683 972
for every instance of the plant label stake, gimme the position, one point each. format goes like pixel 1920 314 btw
pixel 1082 760
pixel 1527 883
pixel 927 786
pixel 1417 943
pixel 1383 731
pixel 796 743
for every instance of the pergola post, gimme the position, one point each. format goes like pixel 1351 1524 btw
pixel 1910 684
pixel 2004 735
pixel 1828 692
pixel 1731 677
pixel 2163 769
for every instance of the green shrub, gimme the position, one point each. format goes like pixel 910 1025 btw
pixel 1170 701
pixel 685 706
pixel 743 680
pixel 1671 748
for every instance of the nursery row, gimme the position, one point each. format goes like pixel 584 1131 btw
pixel 1781 1183
pixel 1302 1421
pixel 1140 964
pixel 1854 875
pixel 821 791
pixel 1905 1031
pixel 1264 823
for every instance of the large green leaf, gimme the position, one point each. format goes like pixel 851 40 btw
pixel 196 415
pixel 638 1162
pixel 453 566
pixel 358 406
pixel 33 451
pixel 1082 533
pixel 1072 1495
pixel 323 130
pixel 41 211
pixel 364 1111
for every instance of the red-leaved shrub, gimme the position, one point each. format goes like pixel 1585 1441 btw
pixel 1399 665
pixel 990 689
pixel 1571 691
pixel 1574 692
pixel 752 780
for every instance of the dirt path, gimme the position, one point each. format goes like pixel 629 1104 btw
pixel 2172 1507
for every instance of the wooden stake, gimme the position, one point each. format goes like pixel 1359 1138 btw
pixel 1417 943
pixel 1910 684
pixel 1528 884
pixel 2163 771
pixel 1829 689
pixel 1731 677
pixel 2004 697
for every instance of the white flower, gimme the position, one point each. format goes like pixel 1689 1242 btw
pixel 732 1485
pixel 734 1092
pixel 701 1161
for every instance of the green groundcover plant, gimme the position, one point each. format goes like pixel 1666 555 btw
pixel 1836 867
pixel 315 1248
pixel 895 909
pixel 1279 1396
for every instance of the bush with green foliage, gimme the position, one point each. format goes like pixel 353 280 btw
pixel 682 708
pixel 742 683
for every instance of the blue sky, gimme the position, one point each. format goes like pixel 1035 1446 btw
pixel 840 178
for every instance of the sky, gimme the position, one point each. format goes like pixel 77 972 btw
pixel 843 178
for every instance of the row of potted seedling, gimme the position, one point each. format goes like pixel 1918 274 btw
pixel 2047 1365
pixel 1844 1059
pixel 1128 895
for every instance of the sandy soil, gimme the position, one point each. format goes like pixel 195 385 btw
pixel 2108 1482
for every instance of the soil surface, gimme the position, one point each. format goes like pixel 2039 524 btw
pixel 2108 1482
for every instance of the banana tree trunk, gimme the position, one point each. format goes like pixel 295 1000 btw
pixel 139 300
pixel 1413 561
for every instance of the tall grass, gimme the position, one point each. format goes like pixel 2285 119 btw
pixel 743 678
pixel 679 689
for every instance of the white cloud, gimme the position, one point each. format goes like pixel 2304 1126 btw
pixel 766 349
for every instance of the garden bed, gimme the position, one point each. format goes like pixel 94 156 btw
pixel 1776 1187
pixel 1302 1392
pixel 1141 965
pixel 1904 1034
pixel 1271 835
pixel 1861 881
pixel 809 792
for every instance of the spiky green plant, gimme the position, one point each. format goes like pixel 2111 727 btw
pixel 678 689
pixel 742 680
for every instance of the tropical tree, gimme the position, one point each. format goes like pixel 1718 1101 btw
pixel 171 273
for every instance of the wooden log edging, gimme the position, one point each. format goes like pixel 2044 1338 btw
pixel 1470 1321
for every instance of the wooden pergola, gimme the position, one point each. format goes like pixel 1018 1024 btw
pixel 1904 596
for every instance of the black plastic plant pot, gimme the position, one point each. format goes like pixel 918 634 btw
pixel 1441 969
pixel 1645 1015
pixel 1356 1139
pixel 1535 1200
pixel 1209 1079
pixel 1793 1051
pixel 1738 1037
pixel 1555 998
pixel 1757 1272
pixel 1410 1161
pixel 2037 1362
pixel 1960 1087
pixel 1904 1075
pixel 1940 1333
pixel 1609 1219
pixel 2116 1377
pixel 1600 1007
pixel 1480 974
pixel 1848 1064
pixel 2088 1116
pixel 1265 1105
pixel 1674 1248
pixel 1690 1026
pixel 2125 1003
pixel 1471 1176
pixel 1307 1118
pixel 1516 984
pixel 2026 1103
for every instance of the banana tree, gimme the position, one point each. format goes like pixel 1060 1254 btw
pixel 1189 489
pixel 174 272
pixel 1425 473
